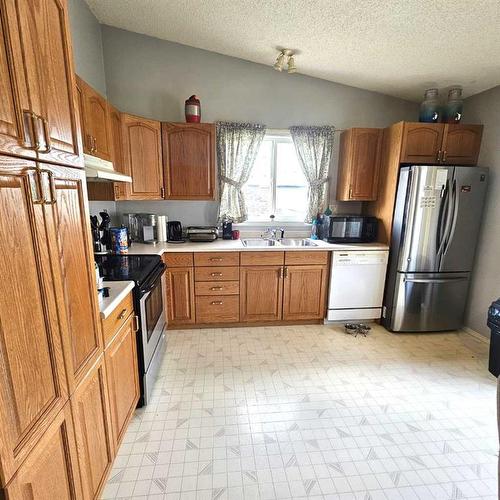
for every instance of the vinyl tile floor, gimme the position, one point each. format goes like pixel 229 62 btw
pixel 311 412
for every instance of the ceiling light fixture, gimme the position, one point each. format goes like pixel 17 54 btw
pixel 285 57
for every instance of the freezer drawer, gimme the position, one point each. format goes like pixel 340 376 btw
pixel 428 302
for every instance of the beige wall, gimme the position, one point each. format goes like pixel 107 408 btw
pixel 485 108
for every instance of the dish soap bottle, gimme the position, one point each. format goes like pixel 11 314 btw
pixel 314 229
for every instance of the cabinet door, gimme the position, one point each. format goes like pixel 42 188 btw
pixel 71 254
pixel 16 135
pixel 96 123
pixel 47 65
pixel 142 155
pixel 51 469
pixel 180 301
pixel 123 378
pixel 115 121
pixel 422 143
pixel 189 160
pixel 304 292
pixel 365 163
pixel 461 144
pixel 261 293
pixel 89 405
pixel 33 386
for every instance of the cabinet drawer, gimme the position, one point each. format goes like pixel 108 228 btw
pixel 222 288
pixel 306 258
pixel 262 258
pixel 178 259
pixel 216 274
pixel 217 259
pixel 218 309
pixel 117 318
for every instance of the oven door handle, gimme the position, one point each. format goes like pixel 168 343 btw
pixel 153 280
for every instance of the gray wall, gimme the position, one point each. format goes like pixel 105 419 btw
pixel 87 45
pixel 152 78
pixel 485 108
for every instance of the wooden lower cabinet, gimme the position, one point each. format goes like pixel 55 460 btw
pixel 90 408
pixel 261 293
pixel 51 469
pixel 218 309
pixel 304 293
pixel 122 375
pixel 180 301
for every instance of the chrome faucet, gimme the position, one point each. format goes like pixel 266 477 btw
pixel 271 232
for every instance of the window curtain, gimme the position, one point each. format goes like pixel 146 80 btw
pixel 237 148
pixel 314 147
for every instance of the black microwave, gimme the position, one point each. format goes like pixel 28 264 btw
pixel 352 229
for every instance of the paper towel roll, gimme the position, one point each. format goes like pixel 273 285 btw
pixel 162 227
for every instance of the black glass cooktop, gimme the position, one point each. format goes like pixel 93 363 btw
pixel 127 267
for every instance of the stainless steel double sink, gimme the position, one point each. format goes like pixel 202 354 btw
pixel 285 242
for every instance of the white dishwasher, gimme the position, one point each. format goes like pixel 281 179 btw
pixel 357 282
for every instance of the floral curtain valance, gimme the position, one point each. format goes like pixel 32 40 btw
pixel 314 147
pixel 237 148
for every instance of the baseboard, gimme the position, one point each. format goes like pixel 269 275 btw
pixel 475 334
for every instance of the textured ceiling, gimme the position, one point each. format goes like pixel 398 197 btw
pixel 397 47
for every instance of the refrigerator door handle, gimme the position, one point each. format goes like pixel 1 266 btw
pixel 454 217
pixel 435 280
pixel 443 215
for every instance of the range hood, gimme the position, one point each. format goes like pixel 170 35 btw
pixel 102 170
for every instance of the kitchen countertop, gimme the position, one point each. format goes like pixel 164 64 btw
pixel 221 245
pixel 118 290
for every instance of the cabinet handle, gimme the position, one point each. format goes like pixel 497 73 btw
pixel 286 272
pixel 52 189
pixel 350 191
pixel 89 143
pixel 280 272
pixel 162 192
pixel 216 274
pixel 30 127
pixel 216 288
pixel 95 145
pixel 444 156
pixel 438 156
pixel 122 314
pixel 216 259
pixel 216 303
pixel 35 188
pixel 46 135
pixel 136 323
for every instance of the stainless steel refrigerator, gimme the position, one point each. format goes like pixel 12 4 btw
pixel 436 222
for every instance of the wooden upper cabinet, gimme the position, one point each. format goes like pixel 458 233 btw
pixel 71 249
pixel 34 387
pixel 422 143
pixel 16 135
pixel 461 144
pixel 115 122
pixel 42 29
pixel 96 130
pixel 123 378
pixel 304 294
pixel 359 164
pixel 51 469
pixel 189 160
pixel 142 156
pixel 90 409
pixel 261 293
pixel 180 300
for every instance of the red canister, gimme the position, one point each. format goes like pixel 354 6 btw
pixel 193 110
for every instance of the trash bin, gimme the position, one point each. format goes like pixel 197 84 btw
pixel 494 325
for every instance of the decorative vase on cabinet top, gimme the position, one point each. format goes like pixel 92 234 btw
pixel 454 106
pixel 430 108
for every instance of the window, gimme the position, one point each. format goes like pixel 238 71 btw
pixel 277 185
